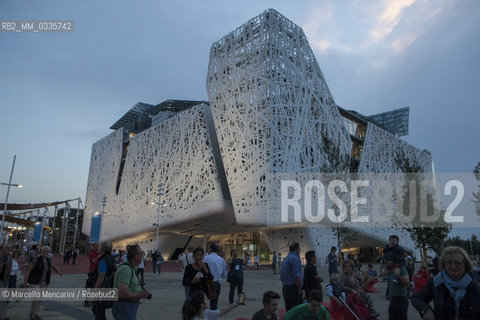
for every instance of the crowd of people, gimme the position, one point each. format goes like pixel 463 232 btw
pixel 448 290
pixel 70 254
pixel 453 289
pixel 38 266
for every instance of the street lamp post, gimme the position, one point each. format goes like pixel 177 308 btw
pixel 9 184
pixel 160 193
pixel 65 224
pixel 104 203
pixel 97 222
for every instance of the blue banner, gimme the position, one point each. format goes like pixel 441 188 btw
pixel 96 228
pixel 37 232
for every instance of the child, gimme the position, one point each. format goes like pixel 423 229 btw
pixel 333 289
pixel 398 253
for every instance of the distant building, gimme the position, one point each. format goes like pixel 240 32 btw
pixel 269 112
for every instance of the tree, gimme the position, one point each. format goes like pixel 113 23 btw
pixel 472 245
pixel 337 164
pixel 425 236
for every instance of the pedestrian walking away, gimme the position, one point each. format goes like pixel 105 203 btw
pixel 235 276
pixel 104 270
pixel 154 260
pixel 274 263
pixel 183 261
pixel 218 268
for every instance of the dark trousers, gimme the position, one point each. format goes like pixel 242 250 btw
pixel 12 282
pixel 238 283
pixel 154 265
pixel 410 273
pixel 98 310
pixel 214 302
pixel 291 296
pixel 140 274
pixel 398 308
pixel 274 267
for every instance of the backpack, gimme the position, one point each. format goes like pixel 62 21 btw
pixel 154 256
pixel 107 281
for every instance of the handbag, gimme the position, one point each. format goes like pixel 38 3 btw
pixel 211 292
pixel 229 276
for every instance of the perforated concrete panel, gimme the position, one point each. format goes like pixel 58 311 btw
pixel 177 152
pixel 271 107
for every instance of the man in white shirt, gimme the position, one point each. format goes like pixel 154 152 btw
pixel 218 269
pixel 183 261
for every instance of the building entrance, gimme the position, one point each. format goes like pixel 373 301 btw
pixel 250 243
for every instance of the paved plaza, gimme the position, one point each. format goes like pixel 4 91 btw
pixel 167 298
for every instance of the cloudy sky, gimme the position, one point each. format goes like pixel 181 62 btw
pixel 59 93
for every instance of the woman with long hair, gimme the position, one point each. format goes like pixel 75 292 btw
pixel 197 273
pixel 196 307
pixel 351 284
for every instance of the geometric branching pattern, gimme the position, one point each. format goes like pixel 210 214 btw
pixel 177 152
pixel 272 110
pixel 381 149
pixel 104 165
pixel 273 115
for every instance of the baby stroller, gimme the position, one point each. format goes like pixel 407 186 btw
pixel 354 308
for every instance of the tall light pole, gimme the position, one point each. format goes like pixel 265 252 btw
pixel 160 204
pixel 65 224
pixel 97 222
pixel 9 184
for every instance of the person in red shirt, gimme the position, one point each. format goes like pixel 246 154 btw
pixel 93 256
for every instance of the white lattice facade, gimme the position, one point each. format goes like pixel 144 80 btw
pixel 381 148
pixel 271 106
pixel 177 152
pixel 270 112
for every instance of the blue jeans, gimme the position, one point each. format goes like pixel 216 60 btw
pixel 214 302
pixel 125 310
